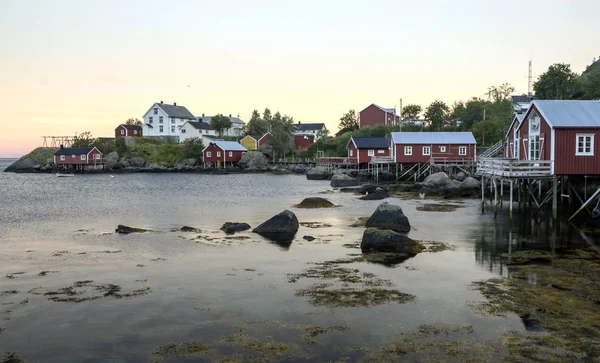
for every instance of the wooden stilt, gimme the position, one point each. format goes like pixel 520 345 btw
pixel 495 199
pixel 482 195
pixel 501 191
pixel 554 198
pixel 510 213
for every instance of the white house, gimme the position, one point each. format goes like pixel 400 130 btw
pixel 165 120
pixel 236 129
pixel 202 130
pixel 314 129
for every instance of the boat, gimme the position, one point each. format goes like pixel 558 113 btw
pixel 63 175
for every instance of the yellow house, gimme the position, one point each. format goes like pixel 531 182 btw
pixel 250 142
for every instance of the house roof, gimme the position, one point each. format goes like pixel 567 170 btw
pixel 520 99
pixel 433 138
pixel 207 119
pixel 371 142
pixel 199 125
pixel 176 111
pixel 519 117
pixel 309 127
pixel 229 145
pixel 560 113
pixel 388 110
pixel 132 127
pixel 74 150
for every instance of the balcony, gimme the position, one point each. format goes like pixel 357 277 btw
pixel 513 168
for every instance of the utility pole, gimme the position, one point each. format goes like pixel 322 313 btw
pixel 400 116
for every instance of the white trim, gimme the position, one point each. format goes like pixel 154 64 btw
pixel 409 148
pixel 62 158
pixel 371 152
pixel 428 148
pixel 462 148
pixel 584 153
pixel 443 149
pixel 350 153
pixel 552 149
pixel 208 154
pixel 231 154
pixel 83 157
pixel 268 133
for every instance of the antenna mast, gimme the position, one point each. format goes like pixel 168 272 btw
pixel 529 81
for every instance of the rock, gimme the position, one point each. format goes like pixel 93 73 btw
pixel 26 165
pixel 378 194
pixel 192 161
pixel 318 173
pixel 342 180
pixel 126 230
pixel 349 190
pixel 470 183
pixel 110 165
pixel 315 202
pixel 389 216
pixel 440 179
pixel 309 238
pixel 137 162
pixel 378 240
pixel 253 161
pixel 367 189
pixel 190 229
pixel 124 163
pixel 112 156
pixel 364 175
pixel 298 169
pixel 461 176
pixel 385 175
pixel 232 227
pixel 280 228
pixel 388 259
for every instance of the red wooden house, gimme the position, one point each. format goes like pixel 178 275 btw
pixel 562 132
pixel 362 149
pixel 223 152
pixel 302 142
pixel 128 130
pixel 77 156
pixel 377 115
pixel 421 147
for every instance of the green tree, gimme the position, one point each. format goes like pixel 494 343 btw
pixel 256 125
pixel 557 83
pixel 134 121
pixel 411 112
pixel 192 148
pixel 281 141
pixel 220 123
pixel 500 93
pixel 458 110
pixel 349 121
pixel 436 113
pixel 267 115
pixel 121 146
pixel 84 139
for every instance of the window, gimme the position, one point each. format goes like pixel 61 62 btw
pixel 351 152
pixel 135 132
pixel 97 156
pixel 82 157
pixel 160 119
pixel 585 145
pixel 208 153
pixel 183 131
pixel 150 119
pixel 122 132
pixel 408 150
pixel 371 152
pixel 426 150
pixel 380 151
pixel 173 120
pixel 172 128
pixel 73 156
pixel 230 154
pixel 160 128
pixel 534 147
pixel 442 149
pixel 218 154
pixel 462 150
pixel 62 157
pixel 156 111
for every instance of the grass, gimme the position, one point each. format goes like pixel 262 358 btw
pixel 158 153
pixel 184 350
pixel 41 154
pixel 315 203
pixel 438 207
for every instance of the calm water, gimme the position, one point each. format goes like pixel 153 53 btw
pixel 203 291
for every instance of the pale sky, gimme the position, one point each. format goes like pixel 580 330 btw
pixel 70 66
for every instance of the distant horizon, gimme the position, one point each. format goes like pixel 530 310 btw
pixel 311 60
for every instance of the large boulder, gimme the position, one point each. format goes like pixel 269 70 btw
pixel 343 180
pixel 137 162
pixel 378 240
pixel 470 183
pixel 440 180
pixel 389 216
pixel 112 156
pixel 318 173
pixel 377 194
pixel 253 160
pixel 280 228
pixel 460 176
pixel 192 162
pixel 367 189
pixel 127 230
pixel 232 227
pixel 315 202
pixel 27 165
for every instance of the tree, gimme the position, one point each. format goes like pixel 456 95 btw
pixel 557 83
pixel 267 115
pixel 193 148
pixel 84 139
pixel 411 112
pixel 281 141
pixel 458 110
pixel 256 125
pixel 134 121
pixel 220 123
pixel 500 93
pixel 349 121
pixel 436 113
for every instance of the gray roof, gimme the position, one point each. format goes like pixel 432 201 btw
pixel 371 142
pixel 520 99
pixel 74 150
pixel 207 119
pixel 200 125
pixel 229 145
pixel 131 127
pixel 176 111
pixel 309 127
pixel 518 117
pixel 388 110
pixel 433 138
pixel 569 113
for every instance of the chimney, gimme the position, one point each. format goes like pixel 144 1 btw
pixel 61 146
pixel 229 115
pixel 161 102
pixel 174 103
pixel 202 115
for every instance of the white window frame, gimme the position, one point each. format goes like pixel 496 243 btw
pixel 150 119
pixel 230 153
pixel 156 110
pixel 73 156
pixel 380 151
pixel 160 119
pixel 427 150
pixel 584 153
pixel 371 152
pixel 442 149
pixel 462 150
pixel 135 132
pixel 122 132
pixel 83 157
pixel 62 158
pixel 97 156
pixel 160 128
pixel 172 128
pixel 351 152
pixel 218 154
pixel 208 154
pixel 183 131
pixel 408 150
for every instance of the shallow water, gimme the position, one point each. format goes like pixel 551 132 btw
pixel 203 290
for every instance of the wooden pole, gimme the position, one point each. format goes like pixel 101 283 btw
pixel 482 194
pixel 495 199
pixel 510 213
pixel 501 191
pixel 554 198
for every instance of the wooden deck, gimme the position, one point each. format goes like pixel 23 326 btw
pixel 513 168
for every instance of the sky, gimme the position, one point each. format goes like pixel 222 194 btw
pixel 69 66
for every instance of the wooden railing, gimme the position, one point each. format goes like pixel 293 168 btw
pixel 381 160
pixel 336 161
pixel 514 167
pixel 443 160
